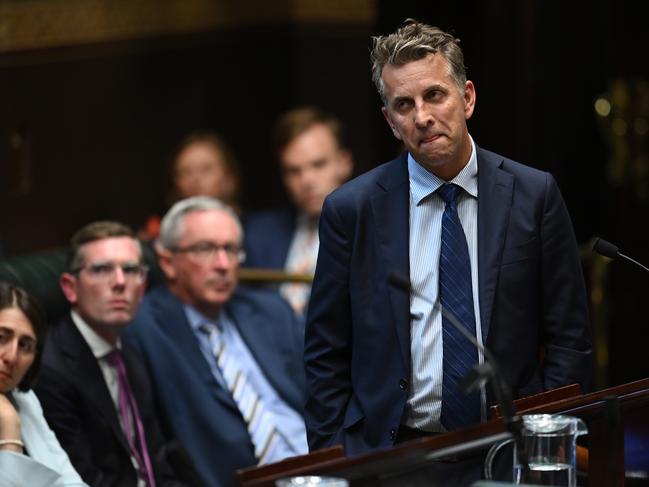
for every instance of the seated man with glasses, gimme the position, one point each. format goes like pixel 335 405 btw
pixel 226 361
pixel 96 394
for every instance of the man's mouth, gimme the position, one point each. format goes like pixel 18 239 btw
pixel 430 138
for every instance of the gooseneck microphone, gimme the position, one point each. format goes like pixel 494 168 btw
pixel 488 372
pixel 607 249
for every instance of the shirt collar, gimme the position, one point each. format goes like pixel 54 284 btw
pixel 424 183
pixel 306 221
pixel 98 346
pixel 197 319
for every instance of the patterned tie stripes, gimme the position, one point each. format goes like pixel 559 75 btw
pixel 130 417
pixel 258 419
pixel 456 296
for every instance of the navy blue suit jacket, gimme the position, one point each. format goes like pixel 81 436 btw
pixel 78 407
pixel 267 237
pixel 195 409
pixel 531 294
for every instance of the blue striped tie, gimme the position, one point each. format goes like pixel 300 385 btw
pixel 259 421
pixel 456 296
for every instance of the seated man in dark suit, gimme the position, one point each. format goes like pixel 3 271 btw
pixel 203 337
pixel 95 393
pixel 313 162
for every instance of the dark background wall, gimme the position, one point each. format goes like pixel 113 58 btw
pixel 85 127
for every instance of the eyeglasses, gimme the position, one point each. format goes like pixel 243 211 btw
pixel 104 271
pixel 206 251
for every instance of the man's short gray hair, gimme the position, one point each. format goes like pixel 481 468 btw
pixel 412 42
pixel 171 225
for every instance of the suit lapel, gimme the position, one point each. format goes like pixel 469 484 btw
pixel 259 337
pixel 495 189
pixel 391 212
pixel 83 364
pixel 171 316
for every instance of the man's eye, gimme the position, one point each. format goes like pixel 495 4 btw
pixel 131 270
pixel 231 249
pixel 101 268
pixel 204 248
pixel 435 95
pixel 4 337
pixel 402 105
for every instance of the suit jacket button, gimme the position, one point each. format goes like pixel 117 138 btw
pixel 403 384
pixel 393 433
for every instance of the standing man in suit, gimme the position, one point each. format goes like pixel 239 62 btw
pixel 200 334
pixel 484 237
pixel 313 162
pixel 95 393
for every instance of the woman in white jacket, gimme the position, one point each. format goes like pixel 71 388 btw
pixel 30 454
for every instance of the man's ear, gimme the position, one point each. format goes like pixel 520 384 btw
pixel 393 127
pixel 469 99
pixel 164 260
pixel 68 284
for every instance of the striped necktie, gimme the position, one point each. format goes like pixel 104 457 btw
pixel 130 418
pixel 456 296
pixel 259 420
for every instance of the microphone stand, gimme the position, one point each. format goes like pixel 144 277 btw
pixel 486 372
pixel 607 249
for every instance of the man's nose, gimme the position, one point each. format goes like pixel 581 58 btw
pixel 423 117
pixel 119 279
pixel 309 177
pixel 221 260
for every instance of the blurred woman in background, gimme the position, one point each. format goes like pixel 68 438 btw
pixel 202 165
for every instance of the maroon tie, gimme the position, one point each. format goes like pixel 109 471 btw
pixel 128 409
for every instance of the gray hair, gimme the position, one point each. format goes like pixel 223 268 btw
pixel 412 42
pixel 171 225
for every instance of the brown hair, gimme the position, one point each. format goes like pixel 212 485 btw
pixel 92 232
pixel 412 42
pixel 229 160
pixel 12 296
pixel 295 122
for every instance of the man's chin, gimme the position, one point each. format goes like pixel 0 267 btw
pixel 118 318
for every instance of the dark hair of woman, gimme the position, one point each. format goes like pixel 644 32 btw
pixel 12 296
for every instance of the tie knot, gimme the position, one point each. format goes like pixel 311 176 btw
pixel 448 192
pixel 114 357
pixel 210 329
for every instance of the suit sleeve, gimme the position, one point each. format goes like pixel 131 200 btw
pixel 60 401
pixel 566 332
pixel 328 335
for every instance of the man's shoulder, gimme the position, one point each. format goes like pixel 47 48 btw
pixel 257 299
pixel 159 295
pixel 517 169
pixel 158 303
pixel 376 180
pixel 61 335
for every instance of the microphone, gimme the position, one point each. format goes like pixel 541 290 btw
pixel 486 372
pixel 607 249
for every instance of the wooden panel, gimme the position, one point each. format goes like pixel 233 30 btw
pixel 45 24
